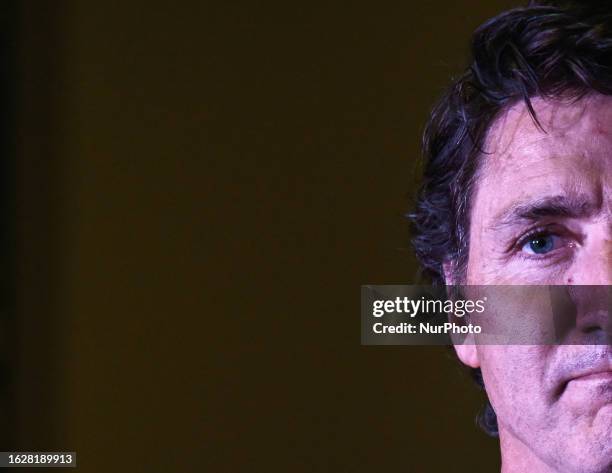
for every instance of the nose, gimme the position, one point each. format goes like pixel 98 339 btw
pixel 593 266
pixel 581 314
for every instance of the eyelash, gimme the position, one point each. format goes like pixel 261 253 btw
pixel 533 234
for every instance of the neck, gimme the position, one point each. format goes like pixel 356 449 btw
pixel 518 457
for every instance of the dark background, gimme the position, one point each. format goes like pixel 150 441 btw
pixel 196 192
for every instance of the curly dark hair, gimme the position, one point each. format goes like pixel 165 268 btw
pixel 559 50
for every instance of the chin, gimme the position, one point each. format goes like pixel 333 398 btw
pixel 590 452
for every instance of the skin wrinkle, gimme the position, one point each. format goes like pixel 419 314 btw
pixel 547 420
pixel 518 212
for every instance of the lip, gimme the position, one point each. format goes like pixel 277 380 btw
pixel 602 375
pixel 589 373
pixel 596 374
pixel 590 389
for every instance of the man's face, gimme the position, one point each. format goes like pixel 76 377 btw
pixel 542 214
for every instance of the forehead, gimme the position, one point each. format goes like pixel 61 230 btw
pixel 572 155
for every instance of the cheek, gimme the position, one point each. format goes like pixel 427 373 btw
pixel 486 266
pixel 514 380
pixel 480 269
pixel 485 272
pixel 483 267
pixel 517 273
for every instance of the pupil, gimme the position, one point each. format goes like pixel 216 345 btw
pixel 541 244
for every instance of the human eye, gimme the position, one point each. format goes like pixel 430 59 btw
pixel 540 243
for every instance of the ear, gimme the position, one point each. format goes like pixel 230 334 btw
pixel 468 354
pixel 466 351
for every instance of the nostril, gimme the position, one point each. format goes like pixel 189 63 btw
pixel 591 328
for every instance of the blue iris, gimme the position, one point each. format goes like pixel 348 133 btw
pixel 541 244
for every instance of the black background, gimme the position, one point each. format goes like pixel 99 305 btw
pixel 198 191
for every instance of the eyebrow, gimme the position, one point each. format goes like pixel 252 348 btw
pixel 563 206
